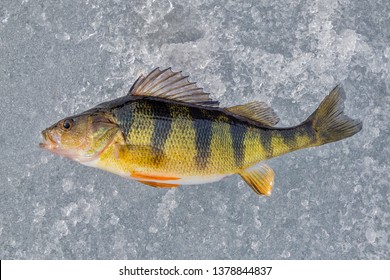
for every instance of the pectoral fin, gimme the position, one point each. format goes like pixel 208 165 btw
pixel 260 177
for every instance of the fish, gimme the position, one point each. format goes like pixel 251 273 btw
pixel 167 132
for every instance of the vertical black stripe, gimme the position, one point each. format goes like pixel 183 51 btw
pixel 309 131
pixel 288 137
pixel 238 132
pixel 303 130
pixel 266 142
pixel 203 126
pixel 162 123
pixel 125 118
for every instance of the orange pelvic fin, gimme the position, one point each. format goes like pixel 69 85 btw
pixel 158 185
pixel 138 175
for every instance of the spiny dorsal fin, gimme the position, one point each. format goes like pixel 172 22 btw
pixel 256 111
pixel 136 84
pixel 260 177
pixel 171 85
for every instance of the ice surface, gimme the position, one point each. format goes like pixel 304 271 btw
pixel 62 57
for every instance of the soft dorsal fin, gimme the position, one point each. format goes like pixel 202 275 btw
pixel 171 85
pixel 256 111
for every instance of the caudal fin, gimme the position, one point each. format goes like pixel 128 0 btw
pixel 329 121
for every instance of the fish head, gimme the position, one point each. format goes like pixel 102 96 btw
pixel 81 138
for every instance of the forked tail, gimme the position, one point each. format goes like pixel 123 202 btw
pixel 329 122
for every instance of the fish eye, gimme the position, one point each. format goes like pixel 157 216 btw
pixel 67 124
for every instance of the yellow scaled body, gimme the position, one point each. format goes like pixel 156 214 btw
pixel 167 132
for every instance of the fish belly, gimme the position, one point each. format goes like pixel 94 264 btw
pixel 158 175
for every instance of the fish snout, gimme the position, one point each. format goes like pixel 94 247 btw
pixel 48 142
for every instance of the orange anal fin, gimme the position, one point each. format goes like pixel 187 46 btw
pixel 260 177
pixel 158 184
pixel 137 175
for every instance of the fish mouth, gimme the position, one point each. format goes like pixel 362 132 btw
pixel 53 146
pixel 48 142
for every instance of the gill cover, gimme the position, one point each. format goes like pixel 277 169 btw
pixel 103 130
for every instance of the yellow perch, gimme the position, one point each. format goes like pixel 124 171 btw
pixel 167 132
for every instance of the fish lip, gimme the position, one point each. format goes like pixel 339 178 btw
pixel 43 144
